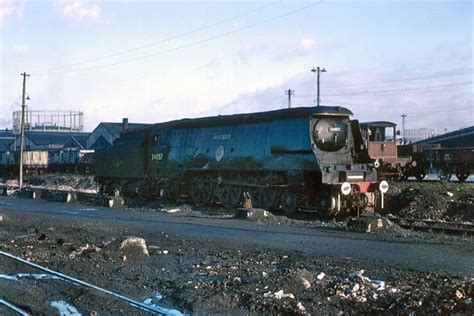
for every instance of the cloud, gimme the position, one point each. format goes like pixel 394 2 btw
pixel 304 47
pixel 6 9
pixel 425 109
pixel 307 42
pixel 78 11
pixel 20 49
pixel 289 49
pixel 10 8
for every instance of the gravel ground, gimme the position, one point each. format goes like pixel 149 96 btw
pixel 211 275
pixel 449 201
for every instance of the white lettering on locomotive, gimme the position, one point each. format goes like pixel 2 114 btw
pixel 157 156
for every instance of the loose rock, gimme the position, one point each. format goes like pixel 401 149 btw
pixel 134 247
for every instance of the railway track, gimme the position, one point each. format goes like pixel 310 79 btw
pixel 65 196
pixel 425 225
pixel 48 274
pixel 12 307
pixel 451 228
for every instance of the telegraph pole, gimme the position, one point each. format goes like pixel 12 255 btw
pixel 318 70
pixel 403 129
pixel 22 127
pixel 289 93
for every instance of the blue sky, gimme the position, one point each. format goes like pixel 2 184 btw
pixel 384 58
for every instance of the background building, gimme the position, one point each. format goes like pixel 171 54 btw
pixel 49 121
pixel 413 135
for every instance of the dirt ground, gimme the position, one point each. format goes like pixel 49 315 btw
pixel 210 275
pixel 437 200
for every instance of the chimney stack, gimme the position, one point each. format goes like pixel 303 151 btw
pixel 124 124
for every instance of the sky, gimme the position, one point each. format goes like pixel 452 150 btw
pixel 155 61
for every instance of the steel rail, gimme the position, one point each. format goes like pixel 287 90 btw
pixel 13 307
pixel 432 225
pixel 153 309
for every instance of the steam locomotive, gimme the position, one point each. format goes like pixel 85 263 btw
pixel 306 158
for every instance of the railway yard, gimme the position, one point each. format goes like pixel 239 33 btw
pixel 207 260
pixel 236 158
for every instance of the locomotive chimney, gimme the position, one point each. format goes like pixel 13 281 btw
pixel 124 124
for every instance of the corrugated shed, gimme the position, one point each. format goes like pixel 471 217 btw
pixel 460 138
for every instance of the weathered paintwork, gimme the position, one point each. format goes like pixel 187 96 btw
pixel 164 150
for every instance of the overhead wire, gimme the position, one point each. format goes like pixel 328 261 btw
pixel 385 106
pixel 245 27
pixel 170 38
pixel 419 114
pixel 432 76
pixel 393 91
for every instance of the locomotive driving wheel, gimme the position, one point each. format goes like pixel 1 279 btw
pixel 289 202
pixel 255 197
pixel 230 195
pixel 145 190
pixel 267 198
pixel 201 193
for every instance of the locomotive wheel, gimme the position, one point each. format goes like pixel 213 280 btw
pixel 462 175
pixel 267 198
pixel 462 172
pixel 399 174
pixel 144 192
pixel 289 202
pixel 420 175
pixel 147 191
pixel 201 193
pixel 444 174
pixel 230 196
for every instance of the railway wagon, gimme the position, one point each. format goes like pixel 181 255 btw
pixel 34 161
pixel 300 158
pixel 71 160
pixel 459 161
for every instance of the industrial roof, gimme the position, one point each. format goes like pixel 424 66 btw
pixel 460 138
pixel 58 138
pixel 378 124
pixel 6 133
pixel 5 144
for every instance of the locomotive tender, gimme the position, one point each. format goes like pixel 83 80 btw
pixel 310 158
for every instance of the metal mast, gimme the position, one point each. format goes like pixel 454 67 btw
pixel 403 129
pixel 318 70
pixel 289 93
pixel 22 128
